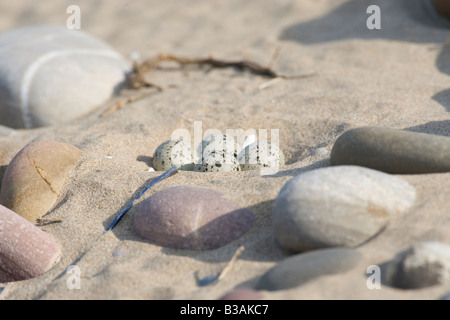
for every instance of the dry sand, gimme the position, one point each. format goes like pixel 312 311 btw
pixel 397 77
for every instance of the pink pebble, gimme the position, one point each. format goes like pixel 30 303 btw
pixel 25 250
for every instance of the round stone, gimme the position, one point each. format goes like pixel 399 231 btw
pixel 259 155
pixel 50 75
pixel 392 150
pixel 173 153
pixel 337 206
pixel 191 218
pixel 35 177
pixel 25 250
pixel 301 268
pixel 219 161
pixel 424 264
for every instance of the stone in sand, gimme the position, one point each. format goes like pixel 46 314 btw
pixel 424 264
pixel 301 268
pixel 392 150
pixel 50 75
pixel 337 206
pixel 25 250
pixel 191 218
pixel 35 177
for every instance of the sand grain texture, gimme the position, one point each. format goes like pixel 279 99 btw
pixel 396 77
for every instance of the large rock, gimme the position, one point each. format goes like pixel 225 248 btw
pixel 392 150
pixel 35 177
pixel 25 250
pixel 337 206
pixel 50 74
pixel 301 268
pixel 191 218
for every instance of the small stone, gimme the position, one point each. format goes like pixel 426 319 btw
pixel 173 153
pixel 191 218
pixel 392 150
pixel 261 155
pixel 424 264
pixel 337 206
pixel 218 162
pixel 25 250
pixel 301 268
pixel 50 75
pixel 242 294
pixel 35 177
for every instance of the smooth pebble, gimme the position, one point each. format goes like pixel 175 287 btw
pixel 35 176
pixel 191 218
pixel 337 206
pixel 50 74
pixel 301 268
pixel 422 265
pixel 173 153
pixel 392 150
pixel 25 250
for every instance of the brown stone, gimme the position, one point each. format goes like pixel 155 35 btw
pixel 35 177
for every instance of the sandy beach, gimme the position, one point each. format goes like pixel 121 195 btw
pixel 396 77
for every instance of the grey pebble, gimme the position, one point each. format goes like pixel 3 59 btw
pixel 422 265
pixel 50 75
pixel 337 206
pixel 392 150
pixel 301 268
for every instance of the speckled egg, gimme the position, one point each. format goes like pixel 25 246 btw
pixel 219 143
pixel 173 152
pixel 261 154
pixel 219 161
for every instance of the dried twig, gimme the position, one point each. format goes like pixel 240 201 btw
pixel 137 80
pixel 122 103
pixel 216 277
pixel 46 221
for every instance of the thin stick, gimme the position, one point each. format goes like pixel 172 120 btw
pixel 230 264
pixel 120 215
pixel 274 56
pixel 137 76
pixel 122 103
